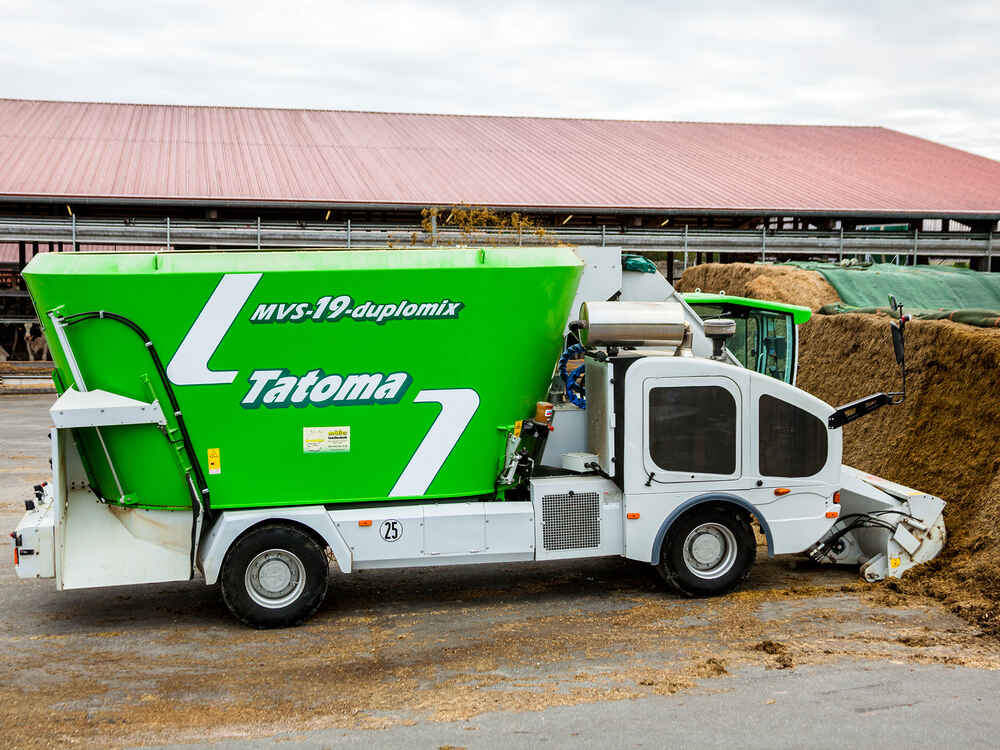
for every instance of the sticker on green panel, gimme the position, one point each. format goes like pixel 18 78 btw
pixel 326 439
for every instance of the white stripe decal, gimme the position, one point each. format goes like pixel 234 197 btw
pixel 189 365
pixel 458 405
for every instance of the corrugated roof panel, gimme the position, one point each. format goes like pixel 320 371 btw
pixel 9 252
pixel 132 152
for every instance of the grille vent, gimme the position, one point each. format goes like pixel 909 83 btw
pixel 571 521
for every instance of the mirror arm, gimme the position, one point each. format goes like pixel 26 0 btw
pixel 863 406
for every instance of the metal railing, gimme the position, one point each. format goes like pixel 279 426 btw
pixel 170 234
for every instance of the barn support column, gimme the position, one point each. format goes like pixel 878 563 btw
pixel 22 261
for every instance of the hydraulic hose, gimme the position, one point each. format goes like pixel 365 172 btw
pixel 575 390
pixel 69 320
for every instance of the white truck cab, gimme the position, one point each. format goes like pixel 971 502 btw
pixel 691 449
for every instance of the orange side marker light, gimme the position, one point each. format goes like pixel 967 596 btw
pixel 782 491
pixel 832 514
pixel 631 516
pixel 364 523
pixel 836 497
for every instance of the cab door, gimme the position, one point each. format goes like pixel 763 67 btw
pixel 796 459
pixel 684 436
pixel 692 430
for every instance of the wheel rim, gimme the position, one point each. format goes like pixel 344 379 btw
pixel 275 578
pixel 710 550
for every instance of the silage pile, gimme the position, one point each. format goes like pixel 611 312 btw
pixel 945 439
pixel 776 283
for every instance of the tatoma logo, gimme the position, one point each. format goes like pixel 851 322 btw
pixel 277 389
pixel 327 309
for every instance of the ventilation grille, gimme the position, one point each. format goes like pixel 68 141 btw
pixel 571 521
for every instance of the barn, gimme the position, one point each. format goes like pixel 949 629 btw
pixel 83 176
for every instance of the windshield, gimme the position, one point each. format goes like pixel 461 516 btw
pixel 764 339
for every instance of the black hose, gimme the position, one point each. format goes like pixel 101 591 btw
pixel 158 363
pixel 857 521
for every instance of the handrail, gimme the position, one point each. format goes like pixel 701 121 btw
pixel 190 233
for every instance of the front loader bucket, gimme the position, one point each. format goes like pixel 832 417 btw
pixel 885 527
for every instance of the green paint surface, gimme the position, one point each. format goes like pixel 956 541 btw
pixel 502 342
pixel 799 313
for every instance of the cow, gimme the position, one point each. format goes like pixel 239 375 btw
pixel 38 347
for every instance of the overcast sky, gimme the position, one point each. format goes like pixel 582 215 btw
pixel 930 69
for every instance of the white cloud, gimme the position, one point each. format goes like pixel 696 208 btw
pixel 921 67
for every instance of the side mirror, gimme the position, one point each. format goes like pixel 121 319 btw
pixel 897 342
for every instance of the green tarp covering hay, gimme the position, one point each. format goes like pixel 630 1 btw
pixel 928 292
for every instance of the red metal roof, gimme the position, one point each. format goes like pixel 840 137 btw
pixel 10 254
pixel 153 152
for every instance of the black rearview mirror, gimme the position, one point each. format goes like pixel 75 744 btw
pixel 897 342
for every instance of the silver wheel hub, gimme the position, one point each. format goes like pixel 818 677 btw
pixel 710 550
pixel 275 578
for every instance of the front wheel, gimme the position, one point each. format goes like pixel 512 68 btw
pixel 708 551
pixel 274 576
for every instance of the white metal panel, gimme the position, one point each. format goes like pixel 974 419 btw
pixel 502 531
pixel 35 537
pixel 601 414
pixel 405 522
pixel 107 545
pixel 601 280
pixel 569 435
pixel 68 475
pixel 638 286
pixel 454 528
pixel 510 528
pixel 100 408
pixel 566 523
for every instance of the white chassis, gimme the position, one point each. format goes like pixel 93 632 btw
pixel 568 516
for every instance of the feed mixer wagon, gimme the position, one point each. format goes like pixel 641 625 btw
pixel 240 414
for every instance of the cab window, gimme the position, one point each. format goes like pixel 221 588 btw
pixel 763 341
pixel 692 429
pixel 792 442
pixel 774 337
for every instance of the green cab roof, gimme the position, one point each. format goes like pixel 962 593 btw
pixel 799 313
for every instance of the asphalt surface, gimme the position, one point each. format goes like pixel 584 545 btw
pixel 585 654
pixel 852 704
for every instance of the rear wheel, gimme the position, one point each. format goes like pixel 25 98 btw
pixel 274 576
pixel 708 551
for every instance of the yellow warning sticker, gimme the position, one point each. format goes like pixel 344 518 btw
pixel 214 461
pixel 893 562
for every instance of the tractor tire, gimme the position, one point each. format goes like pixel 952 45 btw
pixel 274 576
pixel 708 551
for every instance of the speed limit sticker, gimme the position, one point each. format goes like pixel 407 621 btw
pixel 391 530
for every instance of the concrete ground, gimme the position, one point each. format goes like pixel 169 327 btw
pixel 591 654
